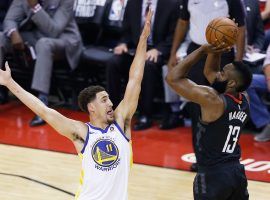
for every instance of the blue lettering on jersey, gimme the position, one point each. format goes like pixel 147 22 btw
pixel 108 168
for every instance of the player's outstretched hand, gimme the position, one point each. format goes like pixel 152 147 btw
pixel 147 25
pixel 217 48
pixel 5 75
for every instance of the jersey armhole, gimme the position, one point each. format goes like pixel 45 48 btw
pixel 121 131
pixel 86 140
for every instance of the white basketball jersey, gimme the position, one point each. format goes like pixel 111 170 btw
pixel 106 161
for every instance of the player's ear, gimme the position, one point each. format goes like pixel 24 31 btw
pixel 232 83
pixel 91 107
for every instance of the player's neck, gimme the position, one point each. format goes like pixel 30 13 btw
pixel 98 123
pixel 232 93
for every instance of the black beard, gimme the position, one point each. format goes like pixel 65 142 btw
pixel 219 86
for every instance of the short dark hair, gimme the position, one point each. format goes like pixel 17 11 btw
pixel 87 95
pixel 244 75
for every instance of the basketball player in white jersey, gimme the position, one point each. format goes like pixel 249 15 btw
pixel 104 142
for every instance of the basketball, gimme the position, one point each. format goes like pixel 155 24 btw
pixel 222 29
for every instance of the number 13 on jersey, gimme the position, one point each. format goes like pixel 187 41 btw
pixel 234 134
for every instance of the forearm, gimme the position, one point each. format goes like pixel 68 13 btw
pixel 182 68
pixel 128 105
pixel 28 99
pixel 52 117
pixel 212 64
pixel 137 66
pixel 240 44
pixel 179 35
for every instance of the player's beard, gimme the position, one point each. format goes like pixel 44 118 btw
pixel 220 86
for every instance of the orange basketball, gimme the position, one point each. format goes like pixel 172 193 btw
pixel 222 29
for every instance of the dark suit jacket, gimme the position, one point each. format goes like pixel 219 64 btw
pixel 55 20
pixel 4 4
pixel 254 24
pixel 163 27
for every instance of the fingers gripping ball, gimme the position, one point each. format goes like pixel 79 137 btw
pixel 221 29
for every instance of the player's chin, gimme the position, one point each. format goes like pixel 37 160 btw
pixel 110 119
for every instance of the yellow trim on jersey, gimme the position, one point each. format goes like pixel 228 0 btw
pixel 81 179
pixel 78 194
pixel 80 155
pixel 131 154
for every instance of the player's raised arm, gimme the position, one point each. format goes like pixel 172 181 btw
pixel 177 77
pixel 128 105
pixel 212 64
pixel 72 129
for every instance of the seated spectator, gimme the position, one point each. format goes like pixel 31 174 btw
pixel 255 31
pixel 260 114
pixel 3 9
pixel 165 13
pixel 254 25
pixel 174 118
pixel 49 27
pixel 265 14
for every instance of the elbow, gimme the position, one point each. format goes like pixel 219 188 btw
pixel 173 78
pixel 169 79
pixel 47 114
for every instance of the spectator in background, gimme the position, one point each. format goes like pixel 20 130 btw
pixel 255 31
pixel 175 104
pixel 3 10
pixel 159 44
pixel 259 112
pixel 265 14
pixel 196 14
pixel 254 25
pixel 47 25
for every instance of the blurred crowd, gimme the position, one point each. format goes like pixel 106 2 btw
pixel 91 34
